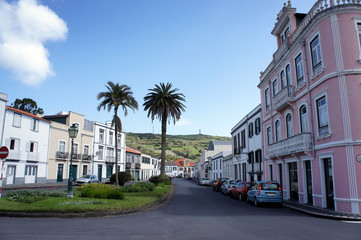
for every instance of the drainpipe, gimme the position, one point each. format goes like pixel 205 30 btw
pixel 309 98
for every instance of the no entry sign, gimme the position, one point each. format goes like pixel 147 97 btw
pixel 4 152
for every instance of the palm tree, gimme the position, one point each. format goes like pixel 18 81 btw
pixel 117 96
pixel 166 104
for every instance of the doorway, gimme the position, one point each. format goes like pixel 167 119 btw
pixel 100 172
pixel 74 170
pixel 10 174
pixel 59 175
pixel 327 164
pixel 293 180
pixel 309 182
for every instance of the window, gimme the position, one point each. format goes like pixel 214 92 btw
pixel 85 169
pixel 359 37
pixel 271 172
pixel 258 126
pixel 101 136
pixel 61 146
pixel 243 138
pixel 322 114
pixel 14 144
pixel 283 79
pixel 239 142
pixel 17 120
pixel 30 170
pixel 278 130
pixel 303 119
pixel 267 99
pixel 289 125
pixel 75 148
pixel 316 54
pixel 269 135
pixel 35 125
pixel 285 34
pixel 250 130
pixel 33 147
pixel 275 87
pixel 235 149
pixel 100 152
pixel 119 142
pixel 258 156
pixel 110 138
pixel 288 75
pixel 146 160
pixel 86 150
pixel 299 70
pixel 251 157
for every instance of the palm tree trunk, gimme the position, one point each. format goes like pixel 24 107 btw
pixel 116 149
pixel 164 134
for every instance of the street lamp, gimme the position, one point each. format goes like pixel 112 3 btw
pixel 73 132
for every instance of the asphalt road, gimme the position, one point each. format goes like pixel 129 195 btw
pixel 193 213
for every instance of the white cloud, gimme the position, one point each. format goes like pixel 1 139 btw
pixel 183 122
pixel 25 26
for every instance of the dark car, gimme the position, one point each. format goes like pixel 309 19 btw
pixel 240 190
pixel 218 184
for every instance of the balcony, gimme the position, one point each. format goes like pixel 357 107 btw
pixel 137 166
pixel 284 98
pixel 110 159
pixel 297 144
pixel 86 157
pixel 76 156
pixel 14 155
pixel 32 156
pixel 281 51
pixel 61 155
pixel 128 165
pixel 256 167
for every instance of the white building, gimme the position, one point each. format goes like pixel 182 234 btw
pixel 27 137
pixel 171 169
pixel 146 167
pixel 104 150
pixel 217 165
pixel 247 147
pixel 228 167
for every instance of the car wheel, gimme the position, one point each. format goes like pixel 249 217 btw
pixel 247 200
pixel 240 197
pixel 256 203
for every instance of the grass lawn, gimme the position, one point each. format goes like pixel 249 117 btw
pixel 81 205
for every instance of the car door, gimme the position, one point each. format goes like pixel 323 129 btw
pixel 252 191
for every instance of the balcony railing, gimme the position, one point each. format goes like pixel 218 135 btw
pixel 33 156
pixel 296 144
pixel 110 159
pixel 87 157
pixel 128 165
pixel 137 166
pixel 76 156
pixel 256 167
pixel 283 98
pixel 14 155
pixel 61 155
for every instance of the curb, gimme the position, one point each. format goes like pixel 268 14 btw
pixel 324 215
pixel 161 202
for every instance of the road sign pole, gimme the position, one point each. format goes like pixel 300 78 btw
pixel 2 175
pixel 4 152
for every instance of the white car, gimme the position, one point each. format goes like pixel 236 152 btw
pixel 204 181
pixel 87 179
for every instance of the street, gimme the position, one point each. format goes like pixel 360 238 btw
pixel 194 212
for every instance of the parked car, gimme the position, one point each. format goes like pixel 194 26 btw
pixel 204 181
pixel 228 185
pixel 240 190
pixel 218 184
pixel 87 179
pixel 265 192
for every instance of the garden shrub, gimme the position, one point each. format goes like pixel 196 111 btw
pixel 30 196
pixel 123 177
pixel 103 191
pixel 139 187
pixel 161 179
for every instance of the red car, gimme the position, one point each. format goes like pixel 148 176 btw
pixel 241 190
pixel 218 184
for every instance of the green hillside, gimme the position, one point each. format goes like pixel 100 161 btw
pixel 178 146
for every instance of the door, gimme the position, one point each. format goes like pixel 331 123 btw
pixel 309 182
pixel 74 171
pixel 59 175
pixel 136 175
pixel 329 183
pixel 280 175
pixel 100 171
pixel 110 171
pixel 30 174
pixel 293 181
pixel 10 174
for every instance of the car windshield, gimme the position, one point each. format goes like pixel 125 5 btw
pixel 270 186
pixel 205 179
pixel 86 176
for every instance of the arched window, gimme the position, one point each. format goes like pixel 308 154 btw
pixel 283 79
pixel 303 119
pixel 288 75
pixel 289 125
pixel 278 130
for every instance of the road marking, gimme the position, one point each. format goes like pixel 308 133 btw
pixel 357 222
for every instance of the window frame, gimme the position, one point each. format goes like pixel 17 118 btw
pixel 319 127
pixel 301 116
pixel 357 21
pixel 250 130
pixel 34 125
pixel 275 87
pixel 258 127
pixel 288 75
pixel 316 67
pixel 299 66
pixel 269 135
pixel 17 123
pixel 267 99
pixel 277 130
pixel 289 125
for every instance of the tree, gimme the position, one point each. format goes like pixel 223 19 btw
pixel 117 96
pixel 166 104
pixel 27 105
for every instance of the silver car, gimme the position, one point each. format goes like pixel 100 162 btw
pixel 204 181
pixel 228 185
pixel 87 179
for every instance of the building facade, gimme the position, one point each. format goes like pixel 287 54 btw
pixel 228 166
pixel 60 147
pixel 218 166
pixel 104 150
pixel 133 163
pixel 27 138
pixel 185 167
pixel 310 96
pixel 247 147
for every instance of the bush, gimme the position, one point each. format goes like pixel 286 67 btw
pixel 30 196
pixel 161 179
pixel 103 191
pixel 139 187
pixel 123 177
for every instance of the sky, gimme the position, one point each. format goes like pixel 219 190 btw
pixel 62 53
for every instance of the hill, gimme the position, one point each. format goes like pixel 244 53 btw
pixel 178 146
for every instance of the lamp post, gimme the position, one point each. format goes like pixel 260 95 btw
pixel 73 132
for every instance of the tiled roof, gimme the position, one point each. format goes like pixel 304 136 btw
pixel 180 162
pixel 26 113
pixel 131 150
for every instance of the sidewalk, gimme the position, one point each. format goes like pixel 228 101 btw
pixel 35 185
pixel 321 212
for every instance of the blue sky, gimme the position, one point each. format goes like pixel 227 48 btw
pixel 212 50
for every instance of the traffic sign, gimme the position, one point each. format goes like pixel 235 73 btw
pixel 4 152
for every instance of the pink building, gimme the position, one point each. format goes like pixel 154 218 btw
pixel 311 97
